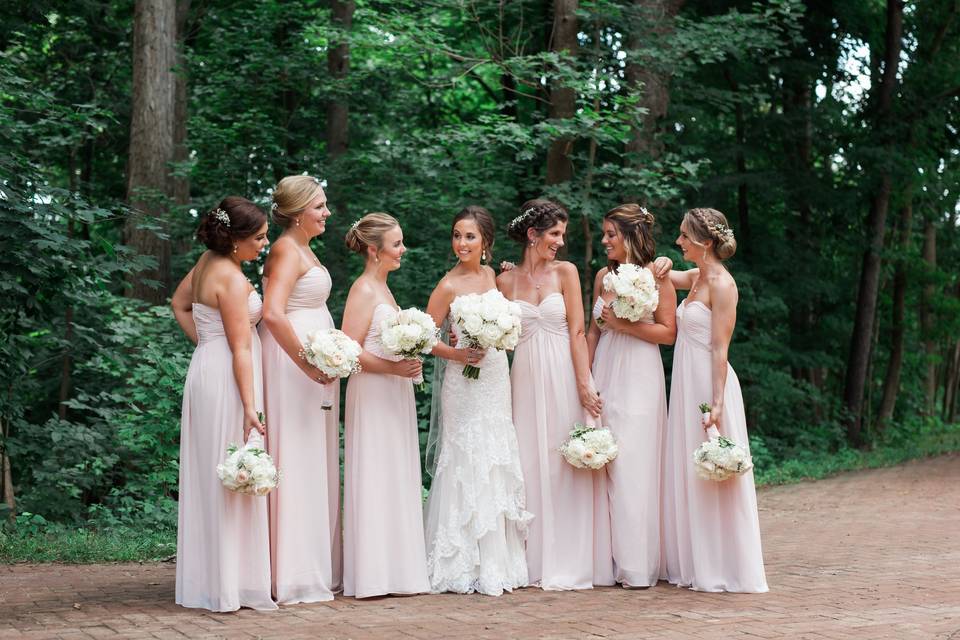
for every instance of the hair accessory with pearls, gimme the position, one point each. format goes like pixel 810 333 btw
pixel 221 216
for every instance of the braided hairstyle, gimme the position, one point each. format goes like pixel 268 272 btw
pixel 635 225
pixel 709 224
pixel 538 214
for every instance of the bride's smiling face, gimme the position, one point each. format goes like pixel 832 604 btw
pixel 467 241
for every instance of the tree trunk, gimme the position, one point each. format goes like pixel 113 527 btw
pixel 891 382
pixel 563 100
pixel 181 184
pixel 952 386
pixel 926 315
pixel 151 140
pixel 6 474
pixel 743 207
pixel 858 363
pixel 653 23
pixel 338 64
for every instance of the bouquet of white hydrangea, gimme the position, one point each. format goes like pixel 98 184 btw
pixel 410 334
pixel 719 457
pixel 636 292
pixel 249 469
pixel 589 447
pixel 486 321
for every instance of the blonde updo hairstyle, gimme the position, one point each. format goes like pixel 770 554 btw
pixel 368 232
pixel 635 226
pixel 292 195
pixel 709 224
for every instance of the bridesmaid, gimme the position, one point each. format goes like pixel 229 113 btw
pixel 553 389
pixel 711 532
pixel 629 376
pixel 304 440
pixel 383 541
pixel 223 545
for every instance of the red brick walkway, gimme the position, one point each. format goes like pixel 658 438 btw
pixel 873 554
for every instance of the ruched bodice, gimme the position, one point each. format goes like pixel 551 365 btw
pixel 210 323
pixel 693 324
pixel 550 316
pixel 310 291
pixel 372 342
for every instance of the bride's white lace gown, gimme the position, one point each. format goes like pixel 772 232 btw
pixel 475 521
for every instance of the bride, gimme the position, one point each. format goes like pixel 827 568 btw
pixel 475 519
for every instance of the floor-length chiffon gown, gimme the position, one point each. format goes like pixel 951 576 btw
pixel 711 530
pixel 475 519
pixel 383 541
pixel 304 441
pixel 223 543
pixel 568 544
pixel 628 373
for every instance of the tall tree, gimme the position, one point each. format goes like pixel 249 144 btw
pixel 338 64
pixel 149 183
pixel 563 99
pixel 858 362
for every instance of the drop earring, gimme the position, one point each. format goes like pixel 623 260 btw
pixel 483 256
pixel 234 248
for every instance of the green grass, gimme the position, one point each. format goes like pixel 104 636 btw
pixel 59 543
pixel 919 441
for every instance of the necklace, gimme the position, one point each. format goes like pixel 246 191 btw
pixel 536 283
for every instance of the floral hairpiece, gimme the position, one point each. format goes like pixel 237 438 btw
pixel 720 230
pixel 274 206
pixel 520 218
pixel 355 224
pixel 315 179
pixel 221 216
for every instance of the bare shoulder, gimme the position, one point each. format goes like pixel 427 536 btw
pixel 567 269
pixel 489 272
pixel 724 287
pixel 505 279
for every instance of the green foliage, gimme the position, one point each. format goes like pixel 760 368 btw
pixel 448 106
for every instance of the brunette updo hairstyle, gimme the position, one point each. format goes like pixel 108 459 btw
pixel 635 225
pixel 710 224
pixel 245 219
pixel 484 223
pixel 538 214
pixel 368 231
pixel 291 196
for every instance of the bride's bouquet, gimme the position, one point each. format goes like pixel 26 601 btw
pixel 333 352
pixel 589 447
pixel 486 321
pixel 636 292
pixel 249 469
pixel 719 457
pixel 409 334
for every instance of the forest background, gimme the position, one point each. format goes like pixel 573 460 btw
pixel 826 131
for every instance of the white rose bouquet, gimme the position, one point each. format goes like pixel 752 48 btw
pixel 636 292
pixel 719 457
pixel 589 447
pixel 487 321
pixel 333 352
pixel 249 469
pixel 409 334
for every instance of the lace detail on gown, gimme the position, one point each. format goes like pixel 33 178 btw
pixel 475 517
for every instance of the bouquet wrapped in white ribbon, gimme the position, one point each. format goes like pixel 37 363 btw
pixel 486 321
pixel 636 292
pixel 719 457
pixel 249 469
pixel 410 334
pixel 589 447
pixel 333 352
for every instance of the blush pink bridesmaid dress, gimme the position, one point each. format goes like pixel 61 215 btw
pixel 711 530
pixel 223 543
pixel 629 375
pixel 568 543
pixel 304 441
pixel 383 542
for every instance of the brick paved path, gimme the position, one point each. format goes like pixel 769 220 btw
pixel 872 554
